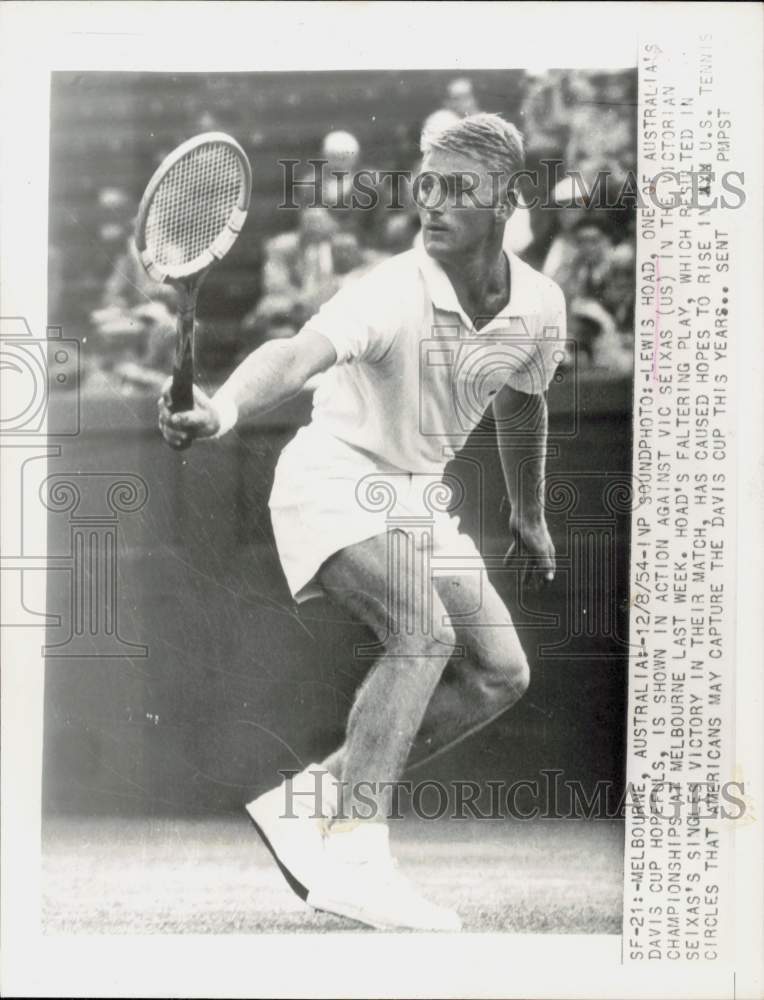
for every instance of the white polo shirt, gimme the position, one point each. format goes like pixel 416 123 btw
pixel 413 376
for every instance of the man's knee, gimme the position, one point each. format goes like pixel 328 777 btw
pixel 504 678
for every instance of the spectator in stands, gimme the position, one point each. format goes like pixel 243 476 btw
pixel 599 345
pixel 599 132
pixel 302 270
pixel 578 118
pixel 589 267
pixel 544 227
pixel 135 322
pixel 399 232
pixel 619 291
pixel 583 261
pixel 341 151
pixel 348 258
pixel 459 102
pixel 334 188
pixel 578 258
pixel 546 116
pixel 460 97
pixel 579 262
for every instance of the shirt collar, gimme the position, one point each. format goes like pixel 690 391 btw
pixel 521 300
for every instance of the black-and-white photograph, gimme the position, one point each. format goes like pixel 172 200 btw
pixel 339 544
pixel 380 447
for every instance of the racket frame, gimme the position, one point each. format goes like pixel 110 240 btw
pixel 187 278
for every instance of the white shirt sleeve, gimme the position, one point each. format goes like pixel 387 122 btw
pixel 360 320
pixel 547 350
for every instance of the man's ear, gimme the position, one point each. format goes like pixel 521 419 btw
pixel 505 210
pixel 506 207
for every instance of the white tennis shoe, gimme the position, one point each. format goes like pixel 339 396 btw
pixel 290 820
pixel 359 879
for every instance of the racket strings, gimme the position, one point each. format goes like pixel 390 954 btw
pixel 193 203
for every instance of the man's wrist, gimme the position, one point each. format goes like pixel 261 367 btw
pixel 530 516
pixel 227 414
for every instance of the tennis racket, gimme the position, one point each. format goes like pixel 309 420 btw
pixel 190 215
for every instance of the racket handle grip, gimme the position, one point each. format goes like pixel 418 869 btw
pixel 182 389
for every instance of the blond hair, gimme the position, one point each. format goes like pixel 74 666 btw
pixel 488 138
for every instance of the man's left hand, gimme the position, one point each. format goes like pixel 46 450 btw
pixel 532 543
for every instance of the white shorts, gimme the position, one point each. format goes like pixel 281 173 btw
pixel 327 495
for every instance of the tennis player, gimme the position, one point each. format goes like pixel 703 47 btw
pixel 413 353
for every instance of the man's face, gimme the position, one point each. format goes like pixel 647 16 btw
pixel 620 286
pixel 460 206
pixel 591 243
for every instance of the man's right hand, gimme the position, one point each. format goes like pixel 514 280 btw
pixel 180 429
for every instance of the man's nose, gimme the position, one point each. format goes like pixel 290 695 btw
pixel 432 199
pixel 434 203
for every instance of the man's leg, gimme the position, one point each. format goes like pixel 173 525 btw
pixel 489 678
pixel 359 878
pixel 487 675
pixel 400 606
pixel 404 698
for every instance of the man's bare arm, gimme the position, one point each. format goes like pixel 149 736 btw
pixel 266 378
pixel 522 423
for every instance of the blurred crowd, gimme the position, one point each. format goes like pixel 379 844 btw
pixel 583 121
